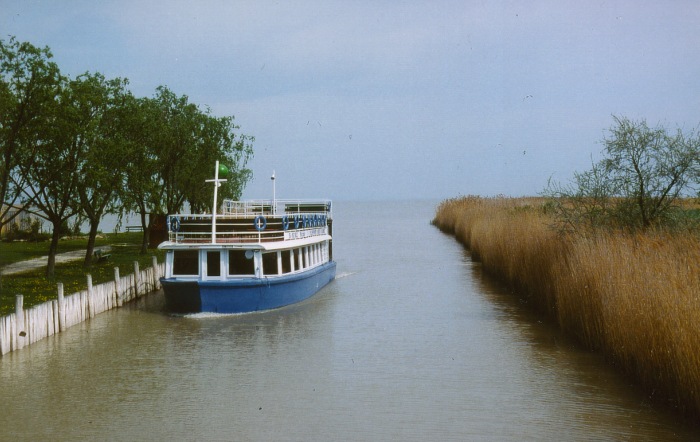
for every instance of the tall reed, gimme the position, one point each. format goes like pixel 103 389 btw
pixel 635 297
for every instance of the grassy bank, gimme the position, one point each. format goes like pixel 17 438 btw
pixel 11 252
pixel 37 289
pixel 635 297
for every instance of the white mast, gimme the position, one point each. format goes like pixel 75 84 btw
pixel 217 183
pixel 274 199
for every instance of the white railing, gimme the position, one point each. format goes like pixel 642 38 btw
pixel 253 221
pixel 275 207
pixel 242 236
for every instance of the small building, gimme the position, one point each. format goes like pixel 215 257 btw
pixel 21 221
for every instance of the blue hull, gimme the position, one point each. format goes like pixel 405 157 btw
pixel 245 295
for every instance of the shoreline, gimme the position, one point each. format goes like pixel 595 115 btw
pixel 627 296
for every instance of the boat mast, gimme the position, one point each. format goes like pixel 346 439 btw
pixel 274 199
pixel 217 183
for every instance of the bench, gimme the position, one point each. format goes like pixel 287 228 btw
pixel 134 229
pixel 101 257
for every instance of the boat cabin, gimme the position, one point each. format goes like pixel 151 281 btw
pixel 249 239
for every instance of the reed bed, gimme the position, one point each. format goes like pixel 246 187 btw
pixel 633 296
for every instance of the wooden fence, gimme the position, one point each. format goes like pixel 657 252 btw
pixel 24 327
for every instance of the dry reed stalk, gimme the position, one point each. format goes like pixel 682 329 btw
pixel 647 290
pixel 510 238
pixel 635 297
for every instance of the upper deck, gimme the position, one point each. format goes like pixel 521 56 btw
pixel 253 221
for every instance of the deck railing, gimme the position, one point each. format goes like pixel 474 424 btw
pixel 253 221
pixel 276 207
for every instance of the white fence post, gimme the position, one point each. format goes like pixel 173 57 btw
pixel 117 287
pixel 90 294
pixel 56 321
pixel 19 315
pixel 156 276
pixel 61 308
pixel 137 278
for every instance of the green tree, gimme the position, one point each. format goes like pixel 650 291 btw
pixel 87 146
pixel 143 192
pixel 217 140
pixel 187 141
pixel 51 178
pixel 174 145
pixel 173 140
pixel 28 86
pixel 101 104
pixel 637 184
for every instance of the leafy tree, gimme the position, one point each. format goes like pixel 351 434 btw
pixel 100 174
pixel 636 185
pixel 28 85
pixel 174 146
pixel 187 142
pixel 87 146
pixel 51 179
pixel 173 140
pixel 217 139
pixel 142 192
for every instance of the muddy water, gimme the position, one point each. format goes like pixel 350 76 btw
pixel 411 342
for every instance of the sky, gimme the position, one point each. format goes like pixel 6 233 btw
pixel 386 100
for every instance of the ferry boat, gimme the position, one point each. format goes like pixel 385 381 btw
pixel 254 255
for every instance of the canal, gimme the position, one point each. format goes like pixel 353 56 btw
pixel 410 342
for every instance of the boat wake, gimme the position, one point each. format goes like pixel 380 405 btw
pixel 209 315
pixel 344 274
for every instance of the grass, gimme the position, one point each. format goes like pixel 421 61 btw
pixel 633 296
pixel 11 252
pixel 37 289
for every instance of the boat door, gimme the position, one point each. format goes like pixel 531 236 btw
pixel 213 266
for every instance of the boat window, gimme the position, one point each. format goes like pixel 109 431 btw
pixel 286 261
pixel 270 263
pixel 186 262
pixel 239 263
pixel 213 264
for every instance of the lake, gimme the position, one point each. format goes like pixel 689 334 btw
pixel 410 342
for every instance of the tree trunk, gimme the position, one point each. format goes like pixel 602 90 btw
pixel 146 234
pixel 53 248
pixel 94 224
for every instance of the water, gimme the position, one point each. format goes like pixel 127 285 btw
pixel 411 342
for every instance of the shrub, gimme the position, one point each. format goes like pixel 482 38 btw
pixel 637 184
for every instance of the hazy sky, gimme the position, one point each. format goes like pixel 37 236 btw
pixel 394 99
